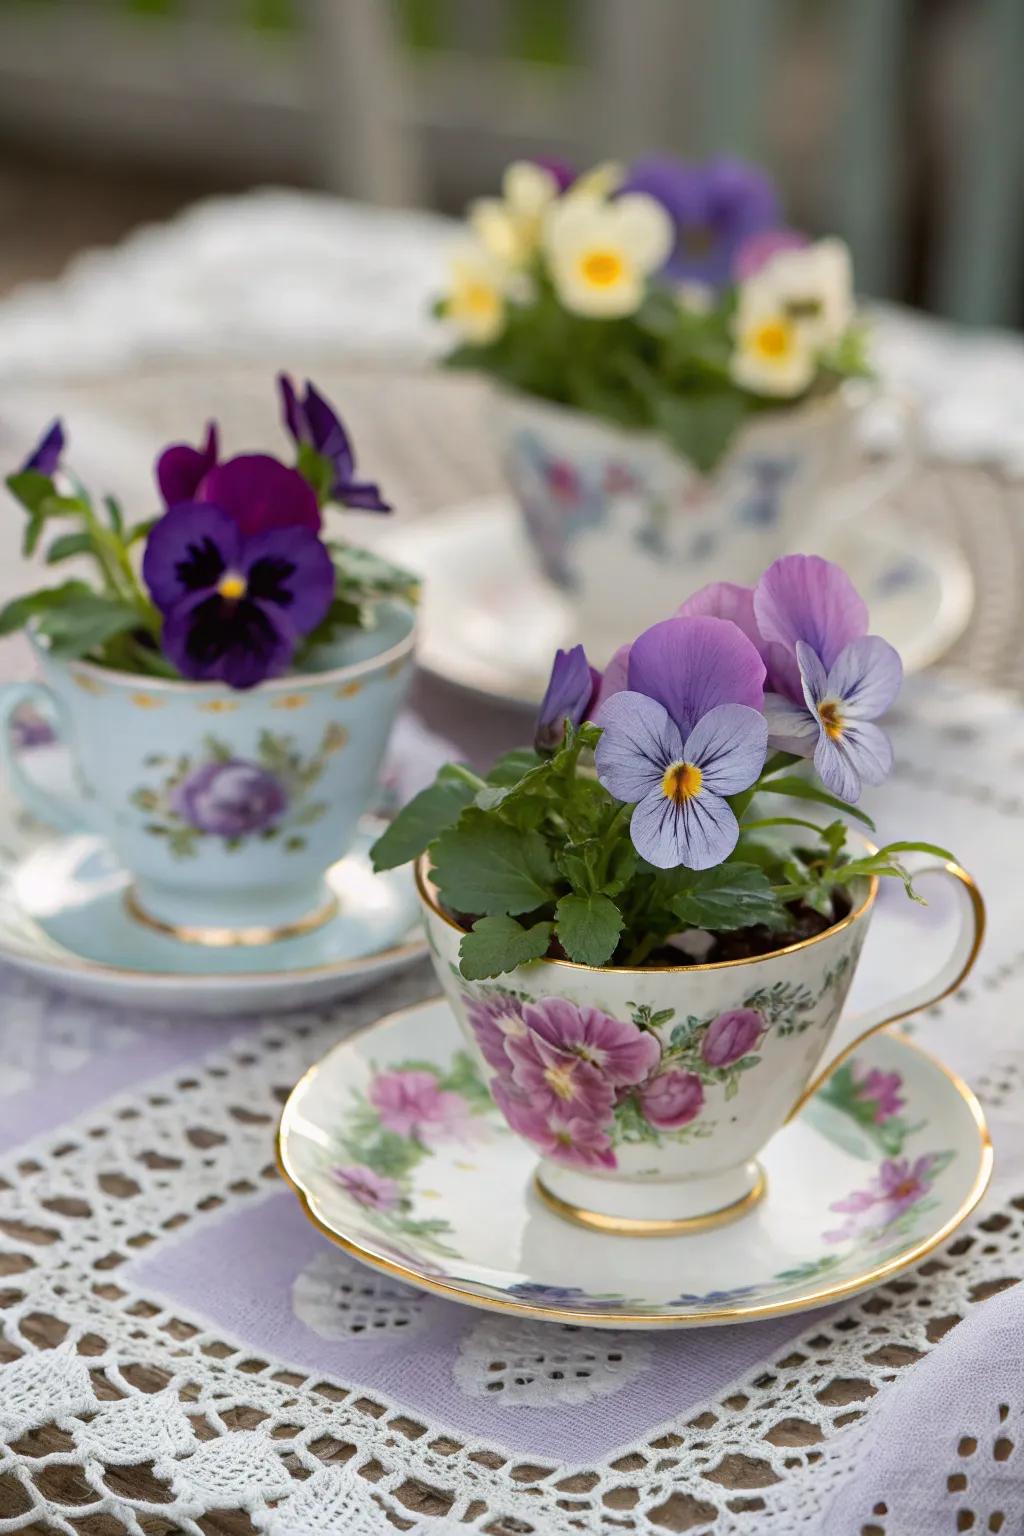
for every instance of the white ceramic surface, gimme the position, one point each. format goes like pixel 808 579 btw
pixel 491 624
pixel 398 1155
pixel 63 920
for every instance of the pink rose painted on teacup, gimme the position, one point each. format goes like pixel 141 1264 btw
pixel 731 1036
pixel 672 1099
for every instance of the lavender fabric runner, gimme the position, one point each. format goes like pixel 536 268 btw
pixel 166 1307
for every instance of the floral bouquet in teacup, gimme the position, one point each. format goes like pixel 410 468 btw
pixel 223 668
pixel 648 923
pixel 670 356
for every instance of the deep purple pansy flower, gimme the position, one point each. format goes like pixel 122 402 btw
pixel 260 493
pixel 715 208
pixel 234 603
pixel 312 420
pixel 45 456
pixel 685 734
pixel 230 799
pixel 181 468
pixel 571 692
pixel 560 170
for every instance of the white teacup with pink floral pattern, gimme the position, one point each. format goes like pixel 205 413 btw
pixel 649 1092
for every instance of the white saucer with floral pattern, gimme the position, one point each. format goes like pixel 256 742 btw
pixel 490 623
pixel 64 920
pixel 398 1155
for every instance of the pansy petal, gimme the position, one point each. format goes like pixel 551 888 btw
pixel 238 643
pixel 728 745
pixel 570 689
pixel 260 493
pixel 813 677
pixel 180 468
pixel 188 551
pixel 45 456
pixel 614 678
pixel 727 600
pixel 698 834
pixel 868 750
pixel 329 435
pixel 638 742
pixel 866 677
pixel 290 568
pixel 803 597
pixel 691 664
pixel 836 770
pixel 290 408
pixel 791 727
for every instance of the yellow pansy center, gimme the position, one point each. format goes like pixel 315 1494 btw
pixel 682 782
pixel 479 299
pixel 772 340
pixel 831 718
pixel 602 268
pixel 231 586
pixel 560 1080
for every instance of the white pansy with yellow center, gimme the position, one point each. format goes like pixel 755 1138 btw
pixel 477 300
pixel 772 355
pixel 601 254
pixel 509 226
pixel 813 287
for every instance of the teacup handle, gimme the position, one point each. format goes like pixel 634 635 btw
pixel 58 811
pixel 971 910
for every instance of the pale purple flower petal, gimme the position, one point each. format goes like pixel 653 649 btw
pixel 691 664
pixel 571 690
pixel 803 597
pixel 866 676
pixel 555 1081
pixel 728 745
pixel 791 727
pixel 726 600
pixel 699 834
pixel 638 743
pixel 492 1020
pixel 614 679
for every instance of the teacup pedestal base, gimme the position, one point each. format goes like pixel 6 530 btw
pixel 640 1208
pixel 222 920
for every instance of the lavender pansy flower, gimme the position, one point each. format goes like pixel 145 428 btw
pixel 571 692
pixel 230 799
pixel 45 456
pixel 180 469
pixel 313 421
pixel 715 208
pixel 234 605
pixel 680 785
pixel 690 665
pixel 841 706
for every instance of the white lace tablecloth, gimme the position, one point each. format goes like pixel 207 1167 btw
pixel 178 1341
pixel 179 1350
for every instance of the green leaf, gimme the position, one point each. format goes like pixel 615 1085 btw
pixel 512 766
pixel 701 427
pixel 728 896
pixel 80 626
pixel 588 928
pixel 498 944
pixel 139 531
pixel 115 517
pixel 20 610
pixel 427 815
pixel 484 866
pixel 31 489
pixel 932 848
pixel 68 545
pixel 799 789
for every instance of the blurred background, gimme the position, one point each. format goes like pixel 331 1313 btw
pixel 896 123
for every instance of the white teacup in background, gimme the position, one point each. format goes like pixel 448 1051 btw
pixel 627 528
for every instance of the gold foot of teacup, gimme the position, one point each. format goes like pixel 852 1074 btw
pixel 218 937
pixel 658 1210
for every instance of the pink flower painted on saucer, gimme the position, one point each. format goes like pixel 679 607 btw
pixel 368 1188
pixel 412 1104
pixel 898 1187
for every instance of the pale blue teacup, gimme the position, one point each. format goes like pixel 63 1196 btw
pixel 227 807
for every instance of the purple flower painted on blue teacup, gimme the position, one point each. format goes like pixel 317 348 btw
pixel 230 799
pixel 30 729
pixel 45 456
pixel 571 692
pixel 684 735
